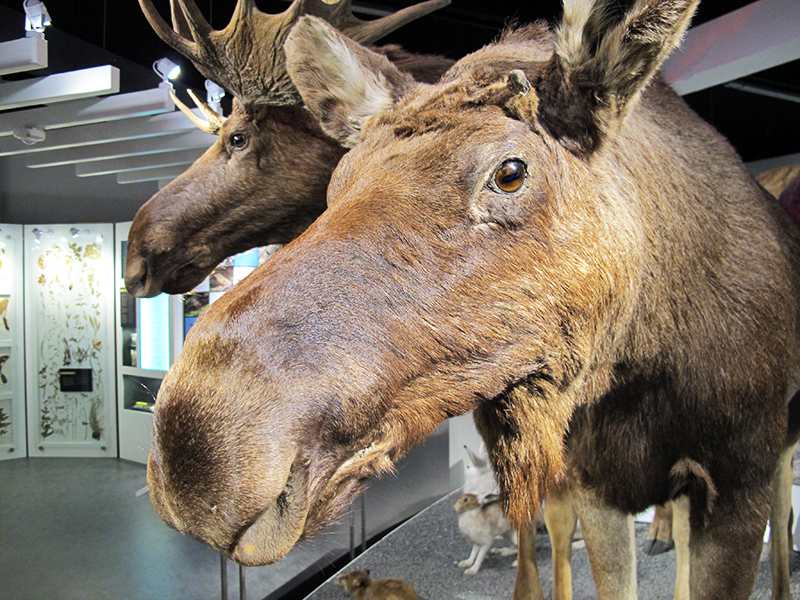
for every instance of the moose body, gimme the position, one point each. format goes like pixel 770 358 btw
pixel 549 237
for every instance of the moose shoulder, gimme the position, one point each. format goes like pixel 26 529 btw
pixel 548 237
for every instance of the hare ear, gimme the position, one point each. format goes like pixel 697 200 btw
pixel 601 64
pixel 476 460
pixel 341 82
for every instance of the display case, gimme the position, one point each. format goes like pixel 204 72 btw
pixel 12 363
pixel 69 327
pixel 144 354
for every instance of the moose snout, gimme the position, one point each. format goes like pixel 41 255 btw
pixel 138 278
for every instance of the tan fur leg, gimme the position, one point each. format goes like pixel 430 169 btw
pixel 528 586
pixel 560 518
pixel 610 542
pixel 780 527
pixel 680 532
pixel 659 537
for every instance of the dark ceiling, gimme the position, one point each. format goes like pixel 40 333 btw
pixel 759 127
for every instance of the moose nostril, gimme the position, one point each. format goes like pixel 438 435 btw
pixel 136 277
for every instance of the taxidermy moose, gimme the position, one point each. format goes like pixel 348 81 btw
pixel 548 237
pixel 265 179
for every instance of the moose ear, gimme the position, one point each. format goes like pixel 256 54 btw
pixel 341 82
pixel 601 64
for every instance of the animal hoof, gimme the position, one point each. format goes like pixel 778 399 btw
pixel 656 546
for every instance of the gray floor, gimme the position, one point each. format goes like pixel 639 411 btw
pixel 424 552
pixel 75 529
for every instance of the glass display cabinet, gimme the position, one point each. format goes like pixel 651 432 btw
pixel 144 354
pixel 69 340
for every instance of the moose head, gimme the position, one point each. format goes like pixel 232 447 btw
pixel 264 180
pixel 549 237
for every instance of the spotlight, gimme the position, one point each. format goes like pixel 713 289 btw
pixel 36 16
pixel 74 232
pixel 99 238
pixel 166 69
pixel 37 232
pixel 214 95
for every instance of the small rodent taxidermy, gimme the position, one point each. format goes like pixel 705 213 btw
pixel 359 584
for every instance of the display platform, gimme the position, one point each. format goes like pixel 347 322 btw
pixel 425 549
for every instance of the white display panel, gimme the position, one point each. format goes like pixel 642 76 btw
pixel 69 318
pixel 12 363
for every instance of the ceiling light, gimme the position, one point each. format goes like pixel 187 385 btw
pixel 36 16
pixel 166 69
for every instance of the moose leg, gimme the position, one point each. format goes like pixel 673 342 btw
pixel 611 544
pixel 527 586
pixel 659 537
pixel 724 554
pixel 780 526
pixel 560 518
pixel 680 532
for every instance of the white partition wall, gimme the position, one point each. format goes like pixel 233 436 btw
pixel 69 323
pixel 12 360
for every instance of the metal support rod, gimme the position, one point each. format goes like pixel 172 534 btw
pixel 363 522
pixel 352 535
pixel 223 575
pixel 242 586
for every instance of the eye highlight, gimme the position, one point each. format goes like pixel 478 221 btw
pixel 510 177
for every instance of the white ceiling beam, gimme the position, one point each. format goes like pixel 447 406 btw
pixel 23 54
pixel 135 163
pixel 86 112
pixel 164 143
pixel 101 133
pixel 758 36
pixel 61 87
pixel 155 174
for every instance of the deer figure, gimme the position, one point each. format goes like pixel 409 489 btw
pixel 527 239
pixel 264 180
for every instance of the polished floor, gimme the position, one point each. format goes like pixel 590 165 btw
pixel 79 529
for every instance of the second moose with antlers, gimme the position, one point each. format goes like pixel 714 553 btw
pixel 265 179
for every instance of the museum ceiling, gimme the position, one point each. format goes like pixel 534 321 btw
pixel 94 32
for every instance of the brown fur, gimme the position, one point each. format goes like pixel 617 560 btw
pixel 362 587
pixel 619 305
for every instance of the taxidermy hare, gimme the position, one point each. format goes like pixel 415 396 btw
pixel 481 523
pixel 361 587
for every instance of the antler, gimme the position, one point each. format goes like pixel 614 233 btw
pixel 213 122
pixel 246 58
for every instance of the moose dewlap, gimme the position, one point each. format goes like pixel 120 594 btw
pixel 548 237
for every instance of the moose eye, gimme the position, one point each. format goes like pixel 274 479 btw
pixel 510 176
pixel 238 140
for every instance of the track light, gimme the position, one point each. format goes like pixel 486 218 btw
pixel 36 16
pixel 166 69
